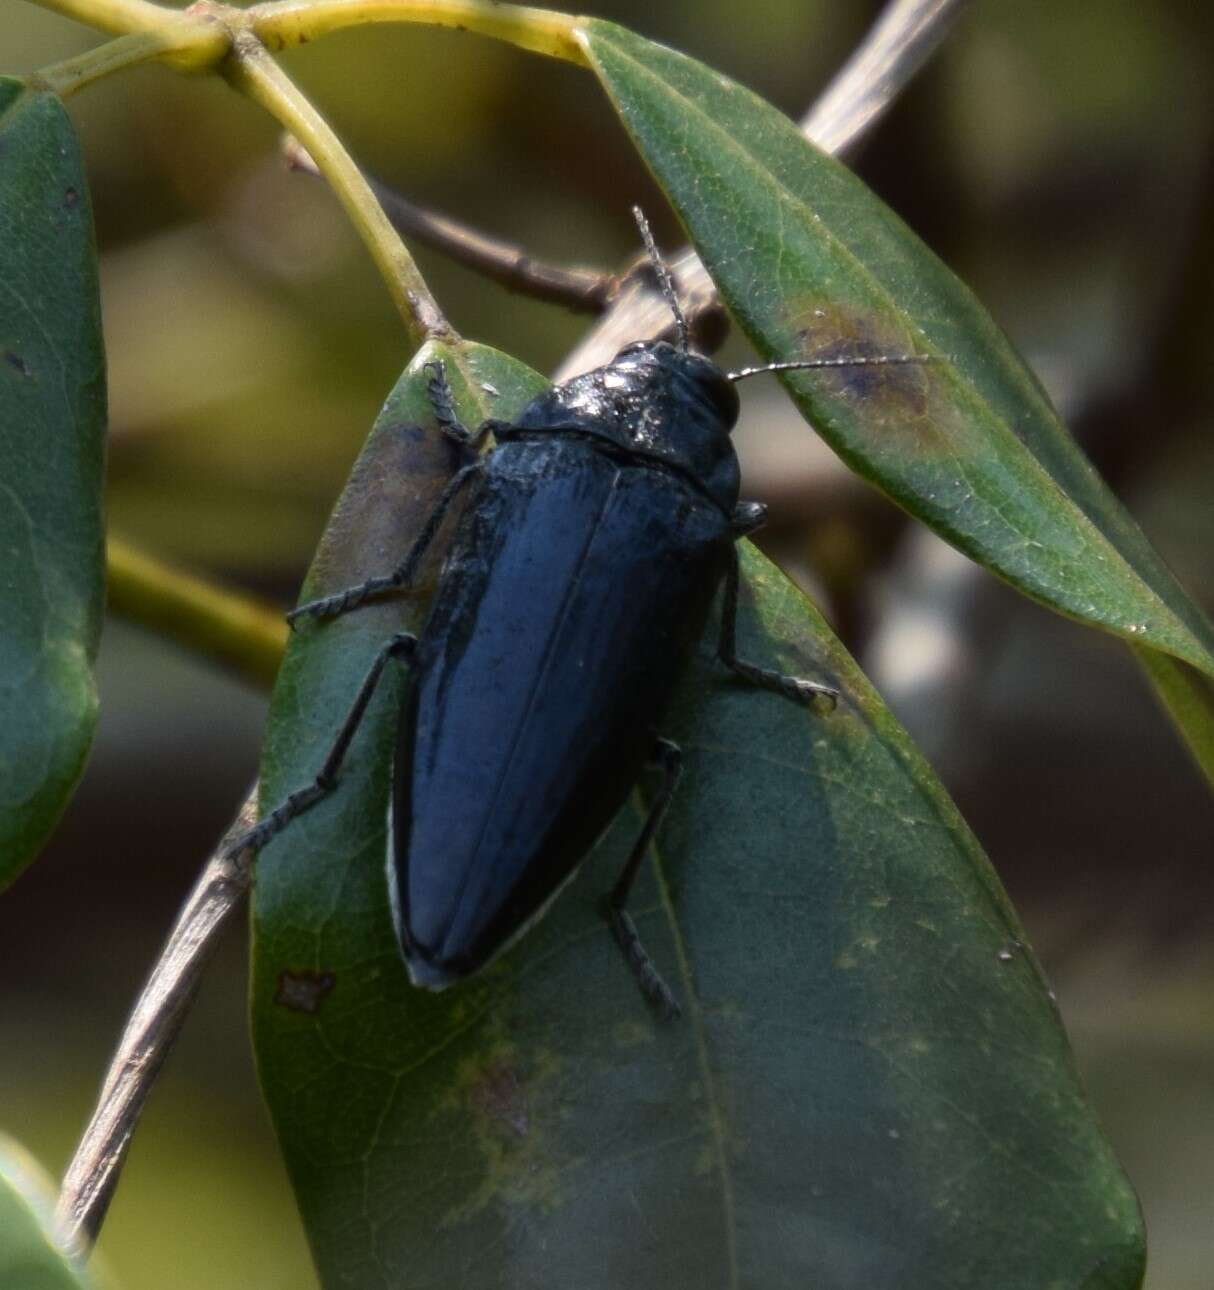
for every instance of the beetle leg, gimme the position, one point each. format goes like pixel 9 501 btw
pixel 748 518
pixel 792 687
pixel 342 601
pixel 443 404
pixel 400 647
pixel 669 758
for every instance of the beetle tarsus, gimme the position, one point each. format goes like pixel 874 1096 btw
pixel 657 993
pixel 796 688
pixel 669 758
pixel 342 602
pixel 401 647
pixel 442 403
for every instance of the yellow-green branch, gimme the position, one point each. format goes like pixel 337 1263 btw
pixel 117 16
pixel 192 41
pixel 281 23
pixel 251 70
pixel 204 28
pixel 127 51
pixel 236 42
pixel 244 634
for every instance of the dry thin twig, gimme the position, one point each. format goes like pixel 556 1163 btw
pixel 577 288
pixel 150 1032
pixel 899 43
pixel 902 39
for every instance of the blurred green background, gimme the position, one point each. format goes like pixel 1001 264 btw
pixel 1058 156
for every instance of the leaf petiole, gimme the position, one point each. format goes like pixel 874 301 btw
pixel 196 39
pixel 199 46
pixel 282 23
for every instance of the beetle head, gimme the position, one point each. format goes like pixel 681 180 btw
pixel 655 401
pixel 674 376
pixel 677 406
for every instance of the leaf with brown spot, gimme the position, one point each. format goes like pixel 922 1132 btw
pixel 303 991
pixel 870 1084
pixel 810 262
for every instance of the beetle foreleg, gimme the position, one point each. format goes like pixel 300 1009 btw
pixel 343 601
pixel 442 402
pixel 792 687
pixel 669 759
pixel 401 647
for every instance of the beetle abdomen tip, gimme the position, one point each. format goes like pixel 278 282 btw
pixel 431 976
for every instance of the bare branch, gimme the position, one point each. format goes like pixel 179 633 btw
pixel 901 40
pixel 580 289
pixel 150 1033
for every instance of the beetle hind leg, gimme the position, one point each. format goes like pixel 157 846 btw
pixel 792 687
pixel 401 647
pixel 669 759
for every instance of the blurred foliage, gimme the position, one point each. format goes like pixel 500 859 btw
pixel 1057 156
pixel 52 443
pixel 29 1256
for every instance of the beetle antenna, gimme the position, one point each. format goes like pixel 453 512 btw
pixel 870 360
pixel 663 276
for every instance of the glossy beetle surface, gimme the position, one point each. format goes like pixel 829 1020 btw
pixel 597 533
pixel 578 583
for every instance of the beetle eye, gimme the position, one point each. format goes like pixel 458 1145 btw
pixel 718 390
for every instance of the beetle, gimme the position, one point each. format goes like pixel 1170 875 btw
pixel 601 528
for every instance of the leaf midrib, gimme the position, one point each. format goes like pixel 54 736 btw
pixel 694 1014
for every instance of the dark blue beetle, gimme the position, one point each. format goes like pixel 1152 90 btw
pixel 579 581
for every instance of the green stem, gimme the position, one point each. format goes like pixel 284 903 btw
pixel 252 71
pixel 281 23
pixel 244 634
pixel 117 16
pixel 195 40
pixel 127 51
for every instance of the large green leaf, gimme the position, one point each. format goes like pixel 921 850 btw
pixel 813 265
pixel 869 1087
pixel 29 1257
pixel 52 427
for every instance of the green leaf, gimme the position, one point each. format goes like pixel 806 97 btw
pixel 814 265
pixel 29 1257
pixel 52 428
pixel 1189 699
pixel 870 1085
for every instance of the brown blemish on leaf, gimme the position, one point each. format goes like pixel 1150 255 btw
pixel 17 363
pixel 893 398
pixel 497 1093
pixel 303 991
pixel 71 197
pixel 512 1105
pixel 392 490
